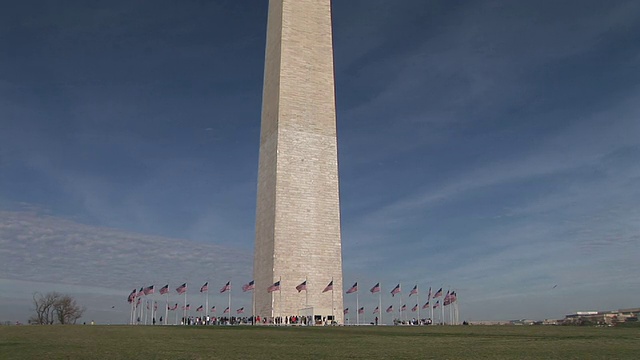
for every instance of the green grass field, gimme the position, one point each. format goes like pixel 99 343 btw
pixel 244 342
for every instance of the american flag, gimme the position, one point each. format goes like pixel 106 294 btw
pixel 302 286
pixel 390 309
pixel 414 291
pixel 447 299
pixel 438 294
pixel 200 308
pixel 415 308
pixel 249 286
pixel 131 296
pixel 213 309
pixel 426 305
pixel 141 292
pixel 226 310
pixel 396 290
pixel 376 310
pixel 155 305
pixel 175 307
pixel 329 287
pixel 204 287
pixel 454 297
pixel 182 288
pixel 139 302
pixel 164 289
pixel 404 307
pixel 361 310
pixel 240 311
pixel 170 308
pixel 429 296
pixel 148 290
pixel 274 287
pixel 186 307
pixel 353 289
pixel 437 304
pixel 375 288
pixel 226 287
pixel 345 311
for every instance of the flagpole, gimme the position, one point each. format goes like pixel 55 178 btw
pixel 229 302
pixel 430 305
pixel 188 321
pixel 450 307
pixel 333 315
pixel 431 311
pixel 306 293
pixel 166 310
pixel 451 314
pixel 273 299
pixel 364 315
pixel 206 313
pixel 380 303
pixel 418 301
pixel 400 306
pixel 455 321
pixel 357 309
pixel 253 304
pixel 455 303
pixel 457 310
pixel 280 301
pixel 184 311
pixel 442 308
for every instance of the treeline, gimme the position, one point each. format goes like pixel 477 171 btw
pixel 55 308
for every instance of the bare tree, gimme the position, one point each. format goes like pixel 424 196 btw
pixel 67 310
pixel 44 308
pixel 55 306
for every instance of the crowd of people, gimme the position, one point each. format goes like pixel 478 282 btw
pixel 233 320
pixel 278 320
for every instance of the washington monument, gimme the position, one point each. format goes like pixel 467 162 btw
pixel 298 205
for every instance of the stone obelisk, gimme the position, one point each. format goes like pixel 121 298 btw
pixel 298 205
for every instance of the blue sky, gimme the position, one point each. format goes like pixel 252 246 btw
pixel 488 147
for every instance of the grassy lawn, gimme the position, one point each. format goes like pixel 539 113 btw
pixel 244 342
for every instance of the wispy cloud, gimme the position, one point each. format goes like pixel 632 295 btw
pixel 46 248
pixel 101 265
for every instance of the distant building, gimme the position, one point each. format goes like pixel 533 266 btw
pixel 602 317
